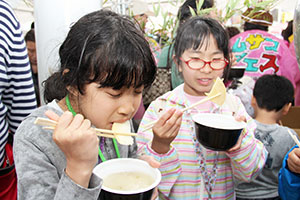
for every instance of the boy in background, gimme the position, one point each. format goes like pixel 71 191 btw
pixel 272 98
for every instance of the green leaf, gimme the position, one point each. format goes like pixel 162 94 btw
pixel 156 9
pixel 199 5
pixel 192 11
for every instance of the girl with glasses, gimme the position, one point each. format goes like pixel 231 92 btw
pixel 189 170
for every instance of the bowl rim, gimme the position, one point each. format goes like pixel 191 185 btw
pixel 240 124
pixel 122 192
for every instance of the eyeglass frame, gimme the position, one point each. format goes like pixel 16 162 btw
pixel 205 62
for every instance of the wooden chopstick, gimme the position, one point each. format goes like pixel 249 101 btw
pixel 51 123
pixel 97 133
pixel 150 125
pixel 202 101
pixel 294 138
pixel 114 132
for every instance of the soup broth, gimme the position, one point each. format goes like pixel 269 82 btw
pixel 127 181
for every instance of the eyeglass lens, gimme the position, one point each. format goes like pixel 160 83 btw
pixel 216 64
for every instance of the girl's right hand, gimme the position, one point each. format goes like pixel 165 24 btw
pixel 166 130
pixel 78 141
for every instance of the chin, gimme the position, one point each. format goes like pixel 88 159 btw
pixel 204 89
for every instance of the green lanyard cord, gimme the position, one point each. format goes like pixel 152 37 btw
pixel 70 108
pixel 116 148
pixel 101 155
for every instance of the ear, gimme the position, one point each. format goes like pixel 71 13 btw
pixel 177 64
pixel 71 90
pixel 253 101
pixel 286 108
pixel 65 71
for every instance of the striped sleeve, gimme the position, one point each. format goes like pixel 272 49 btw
pixel 16 85
pixel 249 160
pixel 170 165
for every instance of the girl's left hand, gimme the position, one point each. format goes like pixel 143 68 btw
pixel 150 160
pixel 238 144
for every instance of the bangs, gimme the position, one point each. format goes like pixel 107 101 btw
pixel 124 64
pixel 196 34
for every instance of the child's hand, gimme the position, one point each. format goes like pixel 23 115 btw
pixel 294 160
pixel 78 141
pixel 165 130
pixel 150 160
pixel 238 144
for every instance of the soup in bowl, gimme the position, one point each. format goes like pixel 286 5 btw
pixel 217 132
pixel 127 179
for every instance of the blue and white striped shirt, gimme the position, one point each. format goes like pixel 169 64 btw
pixel 17 97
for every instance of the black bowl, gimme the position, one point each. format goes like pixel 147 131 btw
pixel 236 73
pixel 217 132
pixel 110 167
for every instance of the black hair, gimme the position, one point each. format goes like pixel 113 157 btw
pixel 183 14
pixel 286 33
pixel 195 33
pixel 250 26
pixel 32 25
pixel 102 47
pixel 272 92
pixel 184 11
pixel 232 31
pixel 30 36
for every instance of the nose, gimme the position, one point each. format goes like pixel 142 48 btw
pixel 127 108
pixel 206 68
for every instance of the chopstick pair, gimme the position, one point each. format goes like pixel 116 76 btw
pixel 294 137
pixel 51 124
pixel 150 125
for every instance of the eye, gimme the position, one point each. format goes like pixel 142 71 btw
pixel 139 90
pixel 114 93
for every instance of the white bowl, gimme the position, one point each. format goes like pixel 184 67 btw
pixel 117 165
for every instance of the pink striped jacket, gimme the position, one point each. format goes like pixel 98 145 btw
pixel 181 174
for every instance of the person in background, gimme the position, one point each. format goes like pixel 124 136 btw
pixel 288 37
pixel 17 97
pixel 272 98
pixel 259 53
pixel 141 13
pixel 287 33
pixel 232 31
pixel 189 170
pixel 105 63
pixel 165 58
pixel 31 48
pixel 289 175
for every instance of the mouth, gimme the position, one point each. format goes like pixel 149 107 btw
pixel 121 121
pixel 205 81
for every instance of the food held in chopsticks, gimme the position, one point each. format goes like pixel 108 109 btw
pixel 120 131
pixel 217 95
pixel 122 127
